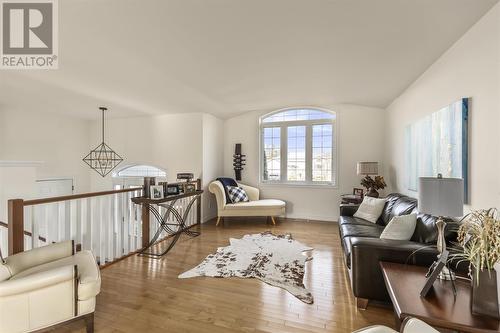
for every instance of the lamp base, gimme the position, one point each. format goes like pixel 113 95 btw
pixel 446 274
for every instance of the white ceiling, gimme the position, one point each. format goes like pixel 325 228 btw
pixel 226 57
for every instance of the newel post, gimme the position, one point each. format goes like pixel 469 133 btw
pixel 198 203
pixel 16 226
pixel 145 225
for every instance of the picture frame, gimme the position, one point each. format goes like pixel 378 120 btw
pixel 189 187
pixel 433 273
pixel 156 191
pixel 172 189
pixel 359 192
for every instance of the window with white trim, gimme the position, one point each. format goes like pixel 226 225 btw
pixel 133 175
pixel 141 171
pixel 298 146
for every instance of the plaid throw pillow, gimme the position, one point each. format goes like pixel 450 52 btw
pixel 237 194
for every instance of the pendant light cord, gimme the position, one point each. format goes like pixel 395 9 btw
pixel 103 125
pixel 102 108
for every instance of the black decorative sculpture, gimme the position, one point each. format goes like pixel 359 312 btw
pixel 238 161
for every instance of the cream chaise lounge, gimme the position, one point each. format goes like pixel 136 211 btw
pixel 47 286
pixel 254 207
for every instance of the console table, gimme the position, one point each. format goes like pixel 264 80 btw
pixel 175 228
pixel 440 308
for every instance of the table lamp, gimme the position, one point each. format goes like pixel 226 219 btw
pixel 367 169
pixel 442 197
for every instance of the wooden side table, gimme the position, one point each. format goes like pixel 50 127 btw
pixel 351 199
pixel 440 308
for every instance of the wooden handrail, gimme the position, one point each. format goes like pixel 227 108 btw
pixel 16 207
pixel 26 233
pixel 77 196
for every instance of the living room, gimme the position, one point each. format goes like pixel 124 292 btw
pixel 288 106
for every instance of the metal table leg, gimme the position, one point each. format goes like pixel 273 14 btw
pixel 164 225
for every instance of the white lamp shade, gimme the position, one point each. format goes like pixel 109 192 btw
pixel 367 168
pixel 441 196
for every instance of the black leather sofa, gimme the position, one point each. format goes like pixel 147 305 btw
pixel 363 248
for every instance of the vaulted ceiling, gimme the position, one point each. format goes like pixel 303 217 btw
pixel 226 57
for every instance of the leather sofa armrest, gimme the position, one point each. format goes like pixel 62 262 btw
pixel 348 209
pixel 252 192
pixel 39 256
pixel 366 253
pixel 414 325
pixel 37 281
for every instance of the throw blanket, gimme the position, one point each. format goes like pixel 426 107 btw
pixel 274 259
pixel 225 183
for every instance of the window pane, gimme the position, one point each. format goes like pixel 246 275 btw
pixel 322 153
pixel 142 171
pixel 296 163
pixel 272 153
pixel 297 115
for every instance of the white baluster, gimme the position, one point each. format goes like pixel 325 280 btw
pixel 94 226
pixel 86 227
pixel 102 229
pixel 73 217
pixel 118 218
pixel 110 226
pixel 61 223
pixel 34 228
pixel 48 227
pixel 126 224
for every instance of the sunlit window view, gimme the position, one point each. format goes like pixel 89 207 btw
pixel 322 153
pixel 296 153
pixel 272 151
pixel 298 147
pixel 142 171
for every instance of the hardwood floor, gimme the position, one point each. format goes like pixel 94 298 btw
pixel 140 294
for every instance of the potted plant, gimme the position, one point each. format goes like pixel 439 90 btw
pixel 479 241
pixel 372 185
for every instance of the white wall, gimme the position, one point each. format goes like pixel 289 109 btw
pixel 59 142
pixel 360 137
pixel 470 68
pixel 213 154
pixel 189 142
pixel 171 142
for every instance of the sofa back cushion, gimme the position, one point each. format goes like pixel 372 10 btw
pixel 397 204
pixel 426 231
pixel 389 205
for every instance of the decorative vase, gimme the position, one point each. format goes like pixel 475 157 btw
pixel 372 193
pixel 484 298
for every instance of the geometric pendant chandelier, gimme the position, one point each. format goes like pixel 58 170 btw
pixel 102 158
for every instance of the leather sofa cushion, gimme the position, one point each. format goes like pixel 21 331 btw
pixel 391 199
pixel 353 220
pixel 89 278
pixel 263 203
pixel 358 230
pixel 402 206
pixel 426 231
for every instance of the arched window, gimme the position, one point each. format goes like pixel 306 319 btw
pixel 132 175
pixel 298 146
pixel 141 171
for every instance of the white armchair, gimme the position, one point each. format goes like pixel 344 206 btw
pixel 47 286
pixel 410 325
pixel 254 207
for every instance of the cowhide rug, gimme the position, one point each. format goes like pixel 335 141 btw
pixel 274 259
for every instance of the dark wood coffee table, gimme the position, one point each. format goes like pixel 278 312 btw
pixel 440 308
